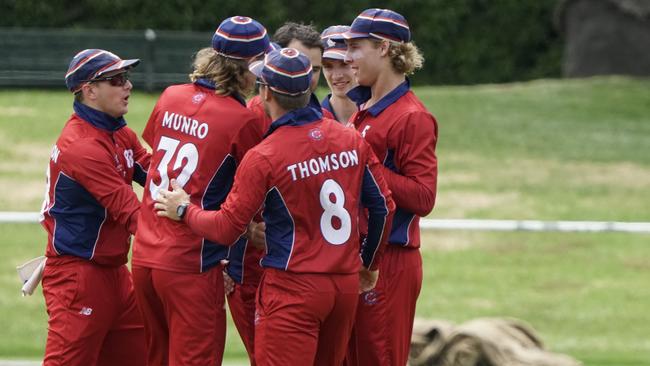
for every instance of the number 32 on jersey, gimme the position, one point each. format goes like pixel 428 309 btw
pixel 187 153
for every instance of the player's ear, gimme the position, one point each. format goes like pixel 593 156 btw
pixel 384 46
pixel 89 91
pixel 265 93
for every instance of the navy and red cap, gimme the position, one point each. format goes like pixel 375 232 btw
pixel 380 24
pixel 285 71
pixel 331 49
pixel 91 64
pixel 240 37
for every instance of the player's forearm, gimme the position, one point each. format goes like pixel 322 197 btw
pixel 121 204
pixel 212 225
pixel 377 198
pixel 141 165
pixel 410 194
pixel 379 225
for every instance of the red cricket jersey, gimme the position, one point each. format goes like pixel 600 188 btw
pixel 311 174
pixel 244 260
pixel 198 138
pixel 403 135
pixel 90 209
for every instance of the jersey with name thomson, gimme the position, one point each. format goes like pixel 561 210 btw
pixel 244 259
pixel 198 137
pixel 403 135
pixel 90 209
pixel 312 175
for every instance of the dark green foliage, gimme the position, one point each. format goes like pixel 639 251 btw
pixel 464 41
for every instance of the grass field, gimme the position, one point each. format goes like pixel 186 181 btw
pixel 571 150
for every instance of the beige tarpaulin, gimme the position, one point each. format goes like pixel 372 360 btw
pixel 481 342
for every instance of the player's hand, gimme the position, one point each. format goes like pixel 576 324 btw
pixel 228 283
pixel 367 280
pixel 167 202
pixel 256 234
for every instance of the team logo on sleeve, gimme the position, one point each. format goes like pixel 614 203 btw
pixel 316 134
pixel 197 98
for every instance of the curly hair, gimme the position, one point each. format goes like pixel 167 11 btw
pixel 406 58
pixel 228 74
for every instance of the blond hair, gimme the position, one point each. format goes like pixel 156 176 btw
pixel 405 57
pixel 228 74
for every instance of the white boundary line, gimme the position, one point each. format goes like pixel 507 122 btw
pixel 14 217
pixel 458 224
pixel 535 225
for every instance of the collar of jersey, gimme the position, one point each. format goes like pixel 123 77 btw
pixel 361 94
pixel 327 105
pixel 296 117
pixel 97 118
pixel 314 103
pixel 211 85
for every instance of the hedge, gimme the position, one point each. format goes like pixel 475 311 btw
pixel 464 41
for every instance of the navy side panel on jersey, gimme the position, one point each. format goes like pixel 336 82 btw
pixel 78 218
pixel 236 254
pixel 215 195
pixel 399 233
pixel 280 231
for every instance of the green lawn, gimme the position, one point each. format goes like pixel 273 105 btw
pixel 549 149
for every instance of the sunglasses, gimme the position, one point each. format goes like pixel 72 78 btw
pixel 115 80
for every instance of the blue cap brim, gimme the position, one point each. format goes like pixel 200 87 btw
pixel 256 67
pixel 121 65
pixel 334 54
pixel 355 35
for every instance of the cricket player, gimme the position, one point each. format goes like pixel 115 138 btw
pixel 403 135
pixel 199 133
pixel 306 39
pixel 338 74
pixel 244 266
pixel 311 174
pixel 90 212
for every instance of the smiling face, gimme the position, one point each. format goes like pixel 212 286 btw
pixel 112 100
pixel 339 76
pixel 366 58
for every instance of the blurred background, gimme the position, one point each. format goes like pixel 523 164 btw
pixel 544 114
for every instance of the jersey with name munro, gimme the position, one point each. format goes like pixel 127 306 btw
pixel 312 175
pixel 198 138
pixel 403 135
pixel 90 209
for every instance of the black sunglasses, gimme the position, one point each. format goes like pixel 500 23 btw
pixel 115 80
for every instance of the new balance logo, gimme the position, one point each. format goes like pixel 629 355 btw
pixel 86 311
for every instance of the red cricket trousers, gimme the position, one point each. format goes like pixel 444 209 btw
pixel 184 315
pixel 93 317
pixel 304 319
pixel 242 308
pixel 384 323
